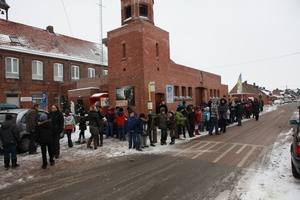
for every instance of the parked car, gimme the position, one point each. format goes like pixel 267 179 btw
pixel 5 106
pixel 278 102
pixel 19 117
pixel 295 150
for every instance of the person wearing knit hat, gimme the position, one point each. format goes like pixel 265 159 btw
pixel 10 138
pixel 45 139
pixel 138 128
pixel 161 120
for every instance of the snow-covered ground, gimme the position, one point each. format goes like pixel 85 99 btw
pixel 273 180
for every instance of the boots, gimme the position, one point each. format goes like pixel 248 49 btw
pixel 181 137
pixel 70 143
pixel 89 143
pixel 82 141
pixel 96 140
pixel 6 164
pixel 138 146
pixel 197 132
pixel 14 163
pixel 78 141
pixel 172 140
pixel 101 141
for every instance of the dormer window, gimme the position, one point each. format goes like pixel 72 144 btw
pixel 14 39
pixel 143 11
pixel 95 52
pixel 127 12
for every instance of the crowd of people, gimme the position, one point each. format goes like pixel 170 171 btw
pixel 187 120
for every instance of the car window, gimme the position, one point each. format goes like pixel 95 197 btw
pixel 2 117
pixel 23 119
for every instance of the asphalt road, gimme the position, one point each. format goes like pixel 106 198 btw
pixel 204 168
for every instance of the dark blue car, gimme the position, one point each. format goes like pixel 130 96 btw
pixel 295 150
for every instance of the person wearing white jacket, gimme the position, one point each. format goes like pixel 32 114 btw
pixel 69 126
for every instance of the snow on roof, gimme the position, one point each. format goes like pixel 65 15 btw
pixel 42 42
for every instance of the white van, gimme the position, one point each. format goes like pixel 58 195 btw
pixel 277 102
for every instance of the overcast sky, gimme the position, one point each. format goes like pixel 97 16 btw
pixel 258 38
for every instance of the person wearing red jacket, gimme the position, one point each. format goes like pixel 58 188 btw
pixel 121 121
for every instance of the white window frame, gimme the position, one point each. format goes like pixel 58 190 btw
pixel 37 66
pixel 13 64
pixel 58 72
pixel 74 72
pixel 91 72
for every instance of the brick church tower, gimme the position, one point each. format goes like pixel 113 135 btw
pixel 138 53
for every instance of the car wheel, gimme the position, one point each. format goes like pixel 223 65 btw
pixel 24 145
pixel 294 171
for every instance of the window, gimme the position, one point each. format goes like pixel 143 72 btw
pixel 91 72
pixel 157 50
pixel 190 93
pixel 143 11
pixel 37 98
pixel 56 99
pixel 176 91
pixel 37 70
pixel 105 72
pixel 75 72
pixel 128 12
pixel 11 67
pixel 123 51
pixel 58 72
pixel 183 91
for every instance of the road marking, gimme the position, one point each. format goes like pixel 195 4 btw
pixel 199 154
pixel 241 149
pixel 247 156
pixel 186 150
pixel 224 153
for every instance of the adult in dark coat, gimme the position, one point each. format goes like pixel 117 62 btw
pixel 239 110
pixel 57 121
pixel 45 139
pixel 255 109
pixel 10 137
pixel 94 123
pixel 223 108
pixel 32 118
pixel 162 105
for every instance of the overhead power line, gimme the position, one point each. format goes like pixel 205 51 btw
pixel 67 17
pixel 255 61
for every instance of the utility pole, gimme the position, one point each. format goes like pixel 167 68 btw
pixel 100 37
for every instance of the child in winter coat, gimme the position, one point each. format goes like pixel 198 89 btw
pixel 152 129
pixel 69 124
pixel 45 139
pixel 82 128
pixel 144 135
pixel 137 127
pixel 130 132
pixel 10 137
pixel 172 125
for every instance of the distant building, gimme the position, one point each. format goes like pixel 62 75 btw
pixel 250 92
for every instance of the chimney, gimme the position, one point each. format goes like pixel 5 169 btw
pixel 50 29
pixel 245 82
pixel 253 84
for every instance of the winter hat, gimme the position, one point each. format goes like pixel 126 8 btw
pixel 172 112
pixel 43 117
pixel 142 115
pixel 153 114
pixel 97 104
pixel 121 109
